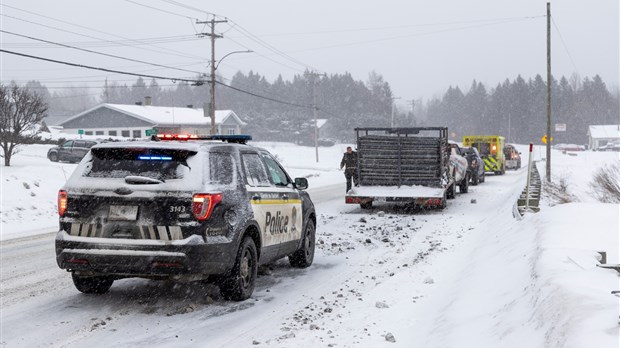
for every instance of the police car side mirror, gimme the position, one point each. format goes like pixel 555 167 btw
pixel 301 183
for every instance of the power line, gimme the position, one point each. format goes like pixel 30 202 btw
pixel 167 50
pixel 100 53
pixel 180 4
pixel 114 43
pixel 162 10
pixel 400 26
pixel 263 97
pixel 101 69
pixel 564 44
pixel 236 26
pixel 415 35
pixel 193 81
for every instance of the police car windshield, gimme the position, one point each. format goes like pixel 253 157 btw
pixel 162 164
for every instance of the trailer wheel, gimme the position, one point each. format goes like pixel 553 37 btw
pixel 366 205
pixel 450 191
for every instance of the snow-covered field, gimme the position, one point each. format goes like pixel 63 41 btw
pixel 469 276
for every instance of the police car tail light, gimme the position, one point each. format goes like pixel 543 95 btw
pixel 62 202
pixel 203 204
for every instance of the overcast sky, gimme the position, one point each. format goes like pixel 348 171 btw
pixel 419 47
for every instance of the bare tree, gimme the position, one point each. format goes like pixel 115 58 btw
pixel 21 111
pixel 606 183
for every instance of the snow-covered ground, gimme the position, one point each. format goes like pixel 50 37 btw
pixel 469 276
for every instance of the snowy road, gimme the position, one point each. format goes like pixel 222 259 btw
pixel 360 270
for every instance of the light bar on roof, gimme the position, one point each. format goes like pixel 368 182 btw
pixel 155 158
pixel 232 138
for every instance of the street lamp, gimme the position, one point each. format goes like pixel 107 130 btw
pixel 212 104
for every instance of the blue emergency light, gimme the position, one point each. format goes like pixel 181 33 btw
pixel 155 158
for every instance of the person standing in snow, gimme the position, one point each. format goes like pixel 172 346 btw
pixel 349 163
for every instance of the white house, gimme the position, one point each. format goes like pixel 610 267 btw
pixel 138 121
pixel 601 135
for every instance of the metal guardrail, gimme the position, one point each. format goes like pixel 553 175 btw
pixel 529 202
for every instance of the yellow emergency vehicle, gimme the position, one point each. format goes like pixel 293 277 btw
pixel 490 148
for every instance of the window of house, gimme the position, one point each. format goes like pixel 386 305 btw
pixel 137 134
pixel 88 133
pixel 112 133
pixel 98 132
pixel 231 131
pixel 125 134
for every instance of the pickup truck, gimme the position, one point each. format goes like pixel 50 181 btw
pixel 414 166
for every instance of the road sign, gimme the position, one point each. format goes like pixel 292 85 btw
pixel 80 131
pixel 150 132
pixel 544 139
pixel 560 127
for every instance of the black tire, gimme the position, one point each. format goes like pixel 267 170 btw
pixel 238 284
pixel 303 257
pixel 464 186
pixel 92 285
pixel 54 157
pixel 503 170
pixel 518 164
pixel 475 179
pixel 484 177
pixel 366 205
pixel 450 191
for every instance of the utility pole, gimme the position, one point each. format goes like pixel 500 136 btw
pixel 313 77
pixel 548 161
pixel 392 122
pixel 213 36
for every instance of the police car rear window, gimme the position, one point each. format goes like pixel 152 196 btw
pixel 162 164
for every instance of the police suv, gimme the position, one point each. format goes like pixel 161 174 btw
pixel 183 209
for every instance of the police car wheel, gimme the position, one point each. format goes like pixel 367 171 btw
pixel 92 285
pixel 238 285
pixel 303 257
pixel 53 157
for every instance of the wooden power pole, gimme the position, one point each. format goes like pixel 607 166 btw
pixel 548 161
pixel 313 77
pixel 213 36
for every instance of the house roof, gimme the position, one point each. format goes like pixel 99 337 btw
pixel 166 115
pixel 604 131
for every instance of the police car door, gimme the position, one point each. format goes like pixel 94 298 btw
pixel 286 225
pixel 264 200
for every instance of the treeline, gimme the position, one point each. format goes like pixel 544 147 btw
pixel 279 110
pixel 282 109
pixel 518 109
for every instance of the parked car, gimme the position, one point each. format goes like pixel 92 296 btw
pixel 459 167
pixel 513 157
pixel 182 210
pixel 70 151
pixel 569 147
pixel 612 146
pixel 475 165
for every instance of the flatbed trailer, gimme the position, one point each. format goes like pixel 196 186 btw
pixel 403 165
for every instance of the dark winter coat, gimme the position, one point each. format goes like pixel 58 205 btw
pixel 349 160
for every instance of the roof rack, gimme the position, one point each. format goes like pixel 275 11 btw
pixel 232 138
